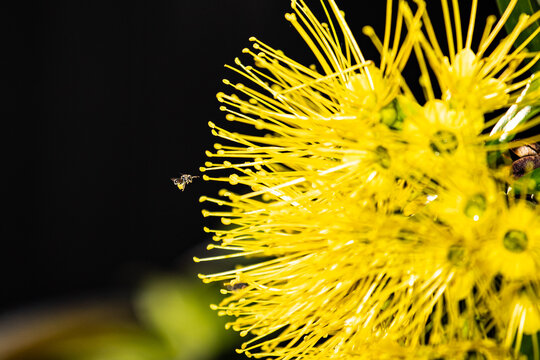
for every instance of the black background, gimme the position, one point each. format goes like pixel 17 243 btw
pixel 104 102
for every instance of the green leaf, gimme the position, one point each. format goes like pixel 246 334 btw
pixel 177 310
pixel 528 183
pixel 528 7
pixel 497 159
pixel 527 347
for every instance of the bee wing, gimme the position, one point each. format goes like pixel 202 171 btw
pixel 526 150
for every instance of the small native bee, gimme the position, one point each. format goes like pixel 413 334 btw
pixel 528 159
pixel 183 180
pixel 236 286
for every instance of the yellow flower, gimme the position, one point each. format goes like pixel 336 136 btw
pixel 378 227
pixel 514 246
pixel 441 140
pixel 472 80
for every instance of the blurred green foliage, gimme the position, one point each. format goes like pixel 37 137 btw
pixel 528 7
pixel 171 320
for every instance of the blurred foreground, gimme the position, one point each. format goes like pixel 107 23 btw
pixel 167 318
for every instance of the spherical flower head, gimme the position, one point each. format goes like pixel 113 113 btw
pixel 372 222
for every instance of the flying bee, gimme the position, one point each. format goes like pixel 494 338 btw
pixel 183 180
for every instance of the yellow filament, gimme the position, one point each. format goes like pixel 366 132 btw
pixel 324 78
pixel 472 20
pixel 357 54
pixel 387 30
pixel 504 17
pixel 448 28
pixel 457 24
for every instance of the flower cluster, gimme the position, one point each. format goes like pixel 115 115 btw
pixel 379 225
